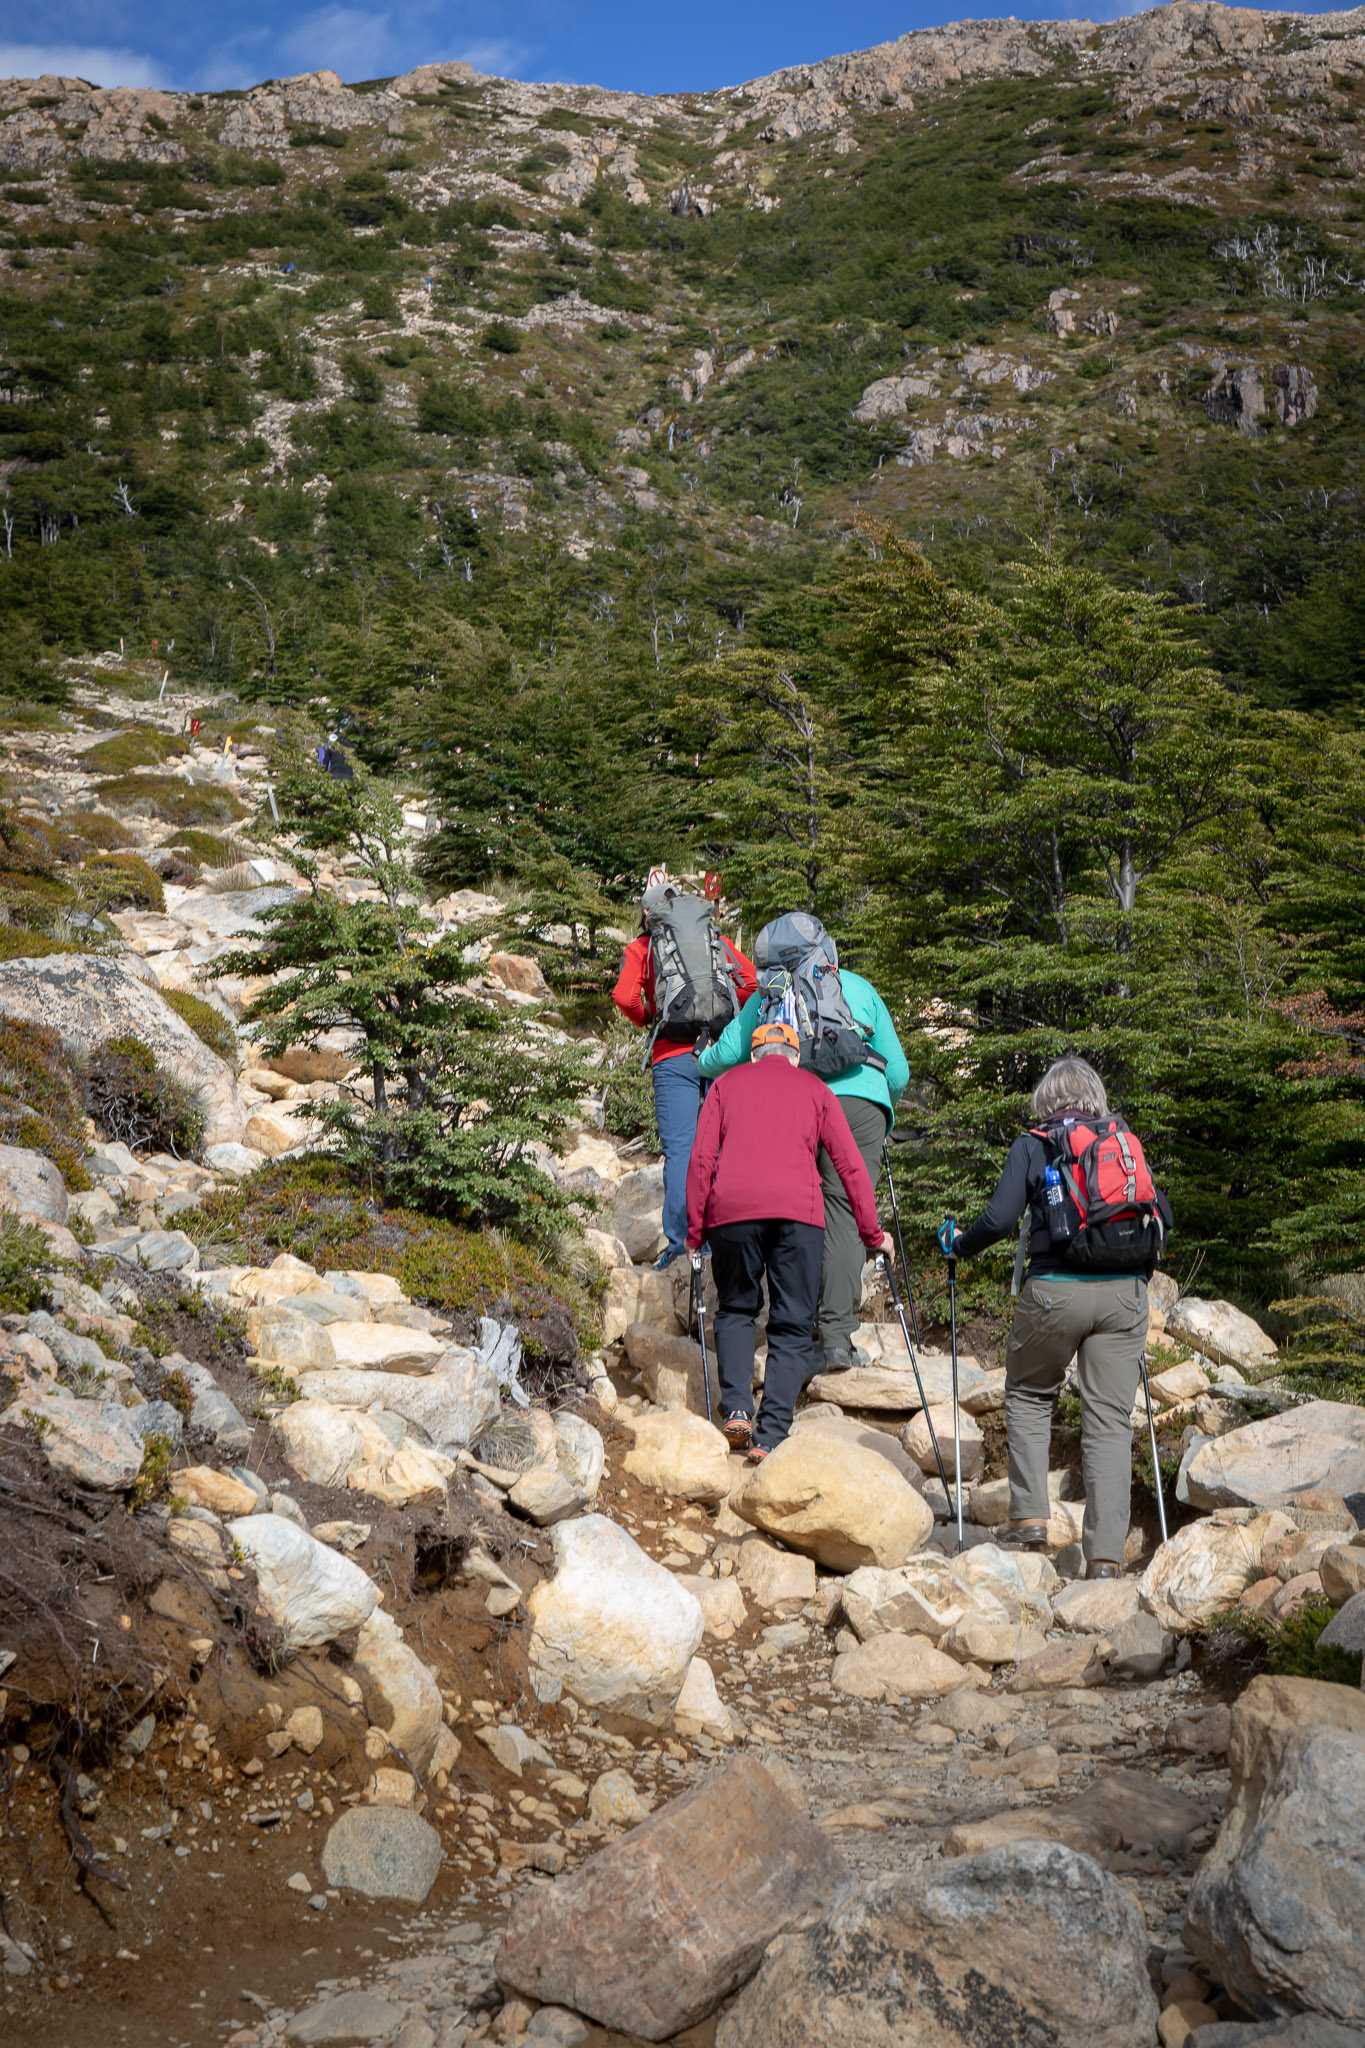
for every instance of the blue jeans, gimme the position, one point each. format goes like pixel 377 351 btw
pixel 677 1105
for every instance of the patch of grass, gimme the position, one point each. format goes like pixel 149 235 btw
pixel 17 943
pixel 179 803
pixel 204 1021
pixel 323 1213
pixel 122 881
pixel 141 746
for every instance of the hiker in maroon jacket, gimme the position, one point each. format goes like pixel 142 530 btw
pixel 753 1190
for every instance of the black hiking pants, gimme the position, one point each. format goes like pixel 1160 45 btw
pixel 790 1254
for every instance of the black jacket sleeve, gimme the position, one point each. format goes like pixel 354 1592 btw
pixel 1016 1188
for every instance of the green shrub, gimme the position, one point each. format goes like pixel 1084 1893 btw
pixel 136 1102
pixel 204 1021
pixel 503 337
pixel 142 746
pixel 40 1098
pixel 75 831
pixel 451 409
pixel 1290 1647
pixel 153 1482
pixel 122 881
pixel 17 943
pixel 205 850
pixel 23 1248
pixel 179 803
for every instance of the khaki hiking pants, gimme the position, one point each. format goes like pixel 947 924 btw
pixel 1103 1325
pixel 841 1275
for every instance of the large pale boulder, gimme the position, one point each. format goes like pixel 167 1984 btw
pixel 774 1578
pixel 1098 1609
pixel 986 1573
pixel 93 1442
pixel 840 1504
pixel 308 1591
pixel 650 1935
pixel 283 1277
pixel 636 1214
pixel 451 1406
pixel 637 1294
pixel 385 1347
pixel 294 1343
pixel 1206 1567
pixel 579 1452
pixel 610 1627
pixel 402 1697
pixel 896 1667
pixel 1027 1943
pixel 919 1598
pixel 891 1387
pixel 918 1443
pixel 1318 1448
pixel 681 1454
pixel 277 1128
pixel 330 1446
pixel 838 1428
pixel 88 997
pixel 1221 1331
pixel 31 1185
pixel 1278 1903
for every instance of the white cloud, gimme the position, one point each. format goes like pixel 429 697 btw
pixel 80 60
pixel 351 40
pixel 499 59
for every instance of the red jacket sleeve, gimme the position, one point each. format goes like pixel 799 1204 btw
pixel 701 1167
pixel 745 971
pixel 848 1164
pixel 633 994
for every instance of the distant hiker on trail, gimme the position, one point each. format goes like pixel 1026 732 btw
pixel 754 1189
pixel 1094 1225
pixel 846 1037
pixel 684 980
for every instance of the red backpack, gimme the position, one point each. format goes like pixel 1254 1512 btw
pixel 1106 1218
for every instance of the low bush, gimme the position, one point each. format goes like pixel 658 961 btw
pixel 134 1101
pixel 17 943
pixel 77 831
pixel 23 1248
pixel 167 796
pixel 121 881
pixel 141 746
pixel 1290 1647
pixel 204 1021
pixel 41 1103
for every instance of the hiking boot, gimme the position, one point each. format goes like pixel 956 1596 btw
pixel 757 1453
pixel 1098 1570
pixel 839 1358
pixel 665 1260
pixel 738 1431
pixel 1024 1536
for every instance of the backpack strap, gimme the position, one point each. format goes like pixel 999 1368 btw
pixel 1021 1252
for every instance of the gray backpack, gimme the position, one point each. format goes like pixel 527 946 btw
pixel 695 981
pixel 798 984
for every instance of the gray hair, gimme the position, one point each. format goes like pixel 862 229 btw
pixel 1070 1084
pixel 763 1052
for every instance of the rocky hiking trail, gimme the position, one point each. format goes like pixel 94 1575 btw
pixel 440 1696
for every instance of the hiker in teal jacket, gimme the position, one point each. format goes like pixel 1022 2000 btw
pixel 867 1098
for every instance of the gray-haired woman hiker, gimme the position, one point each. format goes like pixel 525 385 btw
pixel 1094 1226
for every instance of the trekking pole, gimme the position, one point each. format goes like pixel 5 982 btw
pixel 700 1286
pixel 897 1304
pixel 896 1216
pixel 947 1237
pixel 1156 1462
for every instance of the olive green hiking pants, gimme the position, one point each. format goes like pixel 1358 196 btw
pixel 841 1273
pixel 1102 1324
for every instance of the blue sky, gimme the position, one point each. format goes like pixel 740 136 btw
pixel 645 48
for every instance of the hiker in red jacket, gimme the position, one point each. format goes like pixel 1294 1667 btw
pixel 753 1189
pixel 723 980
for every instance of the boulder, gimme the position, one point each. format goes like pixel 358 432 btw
pixel 278 1128
pixel 977 1639
pixel 345 2016
pixel 1319 1447
pixel 1276 1908
pixel 842 1505
pixel 308 1591
pixel 88 997
pixel 989 1502
pixel 1221 1331
pixel 1206 1567
pixel 31 1185
pixel 669 1368
pixel 891 1666
pixel 579 1452
pixel 917 1442
pixel 651 1934
pixel 1073 1663
pixel 992 1577
pixel 520 972
pixel 636 1214
pixel 384 1852
pixel 774 1578
pixel 214 1414
pixel 385 1347
pixel 839 1428
pixel 1342 1570
pixel 1026 1943
pixel 891 1386
pixel 700 1709
pixel 283 1277
pixel 203 1486
pixel 293 1342
pixel 451 1406
pixel 1140 1648
pixel 610 1627
pixel 545 1496
pixel 1346 1629
pixel 351 1447
pixel 919 1598
pixel 1096 1609
pixel 680 1454
pixel 401 1695
pixel 513 1748
pixel 1179 1384
pixel 92 1442
pixel 637 1295
pixel 721 1602
pixel 614 1801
